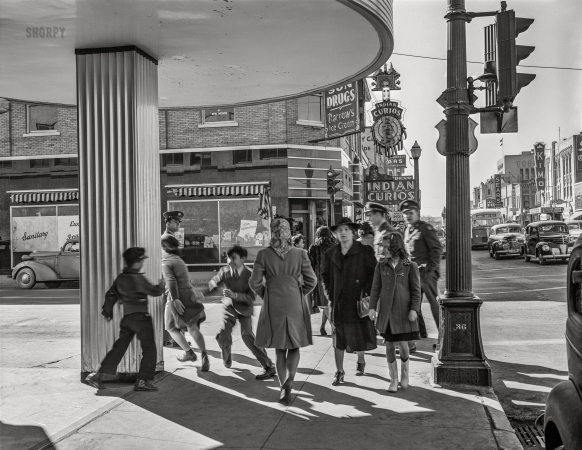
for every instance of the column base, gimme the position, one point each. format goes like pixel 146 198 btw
pixel 460 359
pixel 460 373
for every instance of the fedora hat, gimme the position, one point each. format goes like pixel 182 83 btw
pixel 345 221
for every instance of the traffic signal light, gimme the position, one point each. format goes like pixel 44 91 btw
pixel 332 181
pixel 509 55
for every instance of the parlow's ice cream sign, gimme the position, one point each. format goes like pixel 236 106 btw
pixel 43 233
pixel 341 111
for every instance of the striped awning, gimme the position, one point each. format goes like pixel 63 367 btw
pixel 44 196
pixel 218 190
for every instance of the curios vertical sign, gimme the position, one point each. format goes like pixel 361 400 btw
pixel 497 182
pixel 540 155
pixel 342 111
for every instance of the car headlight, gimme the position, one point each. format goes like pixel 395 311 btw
pixel 572 238
pixel 546 248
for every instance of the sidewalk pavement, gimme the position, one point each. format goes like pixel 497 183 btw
pixel 47 406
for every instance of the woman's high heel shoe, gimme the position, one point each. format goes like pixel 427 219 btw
pixel 338 378
pixel 360 369
pixel 322 331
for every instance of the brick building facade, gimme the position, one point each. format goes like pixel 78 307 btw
pixel 265 145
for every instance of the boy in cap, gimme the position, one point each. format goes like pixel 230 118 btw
pixel 238 305
pixel 131 288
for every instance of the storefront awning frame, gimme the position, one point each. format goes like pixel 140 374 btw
pixel 44 195
pixel 219 189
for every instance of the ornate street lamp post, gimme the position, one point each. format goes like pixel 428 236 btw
pixel 460 359
pixel 415 151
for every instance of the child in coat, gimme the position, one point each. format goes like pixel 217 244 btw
pixel 238 305
pixel 396 298
pixel 131 288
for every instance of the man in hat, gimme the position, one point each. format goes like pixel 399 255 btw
pixel 425 249
pixel 131 288
pixel 173 221
pixel 376 213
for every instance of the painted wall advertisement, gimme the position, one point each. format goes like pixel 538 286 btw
pixel 43 233
pixel 497 185
pixel 341 111
pixel 540 150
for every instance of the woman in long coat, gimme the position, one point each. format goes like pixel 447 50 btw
pixel 396 295
pixel 285 319
pixel 184 311
pixel 324 240
pixel 347 275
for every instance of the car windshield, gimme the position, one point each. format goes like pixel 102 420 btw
pixel 574 226
pixel 72 247
pixel 556 228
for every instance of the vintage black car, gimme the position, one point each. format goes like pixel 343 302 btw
pixel 50 268
pixel 505 240
pixel 547 240
pixel 562 419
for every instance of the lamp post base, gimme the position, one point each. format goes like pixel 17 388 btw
pixel 460 359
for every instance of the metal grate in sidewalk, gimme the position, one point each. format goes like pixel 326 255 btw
pixel 530 438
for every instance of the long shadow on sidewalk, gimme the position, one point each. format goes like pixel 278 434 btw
pixel 229 408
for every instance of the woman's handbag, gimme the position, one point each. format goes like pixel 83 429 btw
pixel 363 306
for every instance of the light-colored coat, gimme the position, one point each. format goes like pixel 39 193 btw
pixel 395 292
pixel 285 319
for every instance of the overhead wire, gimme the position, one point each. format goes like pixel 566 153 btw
pixel 481 62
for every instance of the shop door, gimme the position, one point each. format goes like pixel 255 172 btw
pixel 301 225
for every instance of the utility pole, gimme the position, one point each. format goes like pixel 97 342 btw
pixel 460 359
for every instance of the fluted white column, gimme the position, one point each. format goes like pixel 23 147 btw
pixel 119 192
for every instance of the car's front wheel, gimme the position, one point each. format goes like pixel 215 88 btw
pixel 496 255
pixel 525 257
pixel 26 278
pixel 541 259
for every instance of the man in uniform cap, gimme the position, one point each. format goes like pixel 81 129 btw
pixel 425 250
pixel 173 220
pixel 376 213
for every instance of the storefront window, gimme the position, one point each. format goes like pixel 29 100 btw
pixel 211 227
pixel 240 225
pixel 42 228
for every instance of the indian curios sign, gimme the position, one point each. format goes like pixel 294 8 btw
pixel 390 190
pixel 341 111
pixel 388 130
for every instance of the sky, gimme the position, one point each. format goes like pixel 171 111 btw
pixel 552 101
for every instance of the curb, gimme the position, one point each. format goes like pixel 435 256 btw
pixel 502 430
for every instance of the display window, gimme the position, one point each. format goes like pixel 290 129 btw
pixel 211 227
pixel 42 228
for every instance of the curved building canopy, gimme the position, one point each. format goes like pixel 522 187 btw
pixel 209 52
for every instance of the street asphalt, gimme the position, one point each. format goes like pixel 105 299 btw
pixel 522 321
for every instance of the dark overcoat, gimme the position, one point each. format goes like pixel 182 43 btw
pixel 317 257
pixel 346 278
pixel 395 292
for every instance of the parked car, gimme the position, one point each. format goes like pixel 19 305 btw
pixel 443 240
pixel 505 240
pixel 562 419
pixel 575 227
pixel 50 268
pixel 547 240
